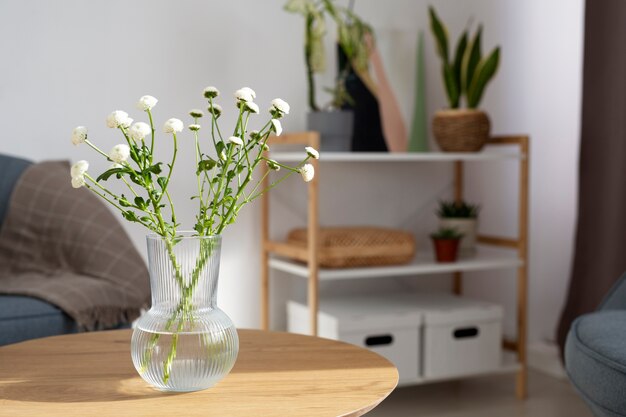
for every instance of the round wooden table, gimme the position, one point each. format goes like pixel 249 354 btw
pixel 276 374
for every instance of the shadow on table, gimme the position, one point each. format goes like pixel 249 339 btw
pixel 72 391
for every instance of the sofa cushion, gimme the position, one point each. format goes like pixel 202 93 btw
pixel 23 318
pixel 10 170
pixel 595 358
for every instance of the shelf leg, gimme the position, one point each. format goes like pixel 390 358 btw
pixel 522 275
pixel 313 248
pixel 457 284
pixel 265 269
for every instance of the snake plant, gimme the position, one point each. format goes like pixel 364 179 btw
pixel 467 73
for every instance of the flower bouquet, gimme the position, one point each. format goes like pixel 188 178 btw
pixel 185 342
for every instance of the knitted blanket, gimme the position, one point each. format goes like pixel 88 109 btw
pixel 64 246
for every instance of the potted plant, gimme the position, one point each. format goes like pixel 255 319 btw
pixel 446 242
pixel 334 123
pixel 465 75
pixel 185 342
pixel 462 216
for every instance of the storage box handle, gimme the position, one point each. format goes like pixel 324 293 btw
pixel 465 332
pixel 380 340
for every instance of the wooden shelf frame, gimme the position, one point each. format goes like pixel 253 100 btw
pixel 309 254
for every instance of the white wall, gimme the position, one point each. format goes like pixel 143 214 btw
pixel 72 62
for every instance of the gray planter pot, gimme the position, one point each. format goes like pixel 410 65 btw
pixel 335 128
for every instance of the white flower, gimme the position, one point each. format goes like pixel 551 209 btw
pixel 308 172
pixel 245 94
pixel 211 92
pixel 216 110
pixel 273 165
pixel 79 135
pixel 119 118
pixel 279 108
pixel 236 140
pixel 196 113
pixel 79 168
pixel 194 127
pixel 312 152
pixel 78 182
pixel 119 153
pixel 277 127
pixel 223 156
pixel 146 103
pixel 252 107
pixel 173 126
pixel 139 130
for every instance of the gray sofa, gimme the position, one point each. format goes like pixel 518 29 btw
pixel 595 355
pixel 23 318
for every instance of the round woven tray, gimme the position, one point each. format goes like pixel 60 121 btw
pixel 461 130
pixel 349 247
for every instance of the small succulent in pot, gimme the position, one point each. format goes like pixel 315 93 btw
pixel 446 242
pixel 462 216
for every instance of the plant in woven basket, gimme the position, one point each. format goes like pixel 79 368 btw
pixel 184 317
pixel 466 74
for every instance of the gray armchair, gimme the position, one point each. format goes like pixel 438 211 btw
pixel 595 354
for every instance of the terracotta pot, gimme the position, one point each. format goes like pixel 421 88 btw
pixel 446 250
pixel 461 130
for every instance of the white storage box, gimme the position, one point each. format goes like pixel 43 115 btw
pixel 460 336
pixel 374 323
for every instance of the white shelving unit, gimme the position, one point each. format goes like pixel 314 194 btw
pixel 401 157
pixel 484 260
pixel 302 261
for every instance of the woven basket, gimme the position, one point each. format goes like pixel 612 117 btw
pixel 349 247
pixel 461 130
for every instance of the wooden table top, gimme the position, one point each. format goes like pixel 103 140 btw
pixel 276 374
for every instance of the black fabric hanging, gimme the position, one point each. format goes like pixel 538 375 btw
pixel 367 134
pixel 600 252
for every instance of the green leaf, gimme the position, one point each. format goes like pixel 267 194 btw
pixel 458 61
pixel 162 181
pixel 140 202
pixel 130 216
pixel 220 147
pixel 451 87
pixel 106 174
pixel 205 165
pixel 440 33
pixel 471 60
pixel 484 72
pixel 124 202
pixel 156 194
pixel 154 169
pixel 298 6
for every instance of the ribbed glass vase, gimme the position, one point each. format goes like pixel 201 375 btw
pixel 184 342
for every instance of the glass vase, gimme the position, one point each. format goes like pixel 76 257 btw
pixel 184 342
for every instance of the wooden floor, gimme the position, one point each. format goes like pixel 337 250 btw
pixel 485 397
